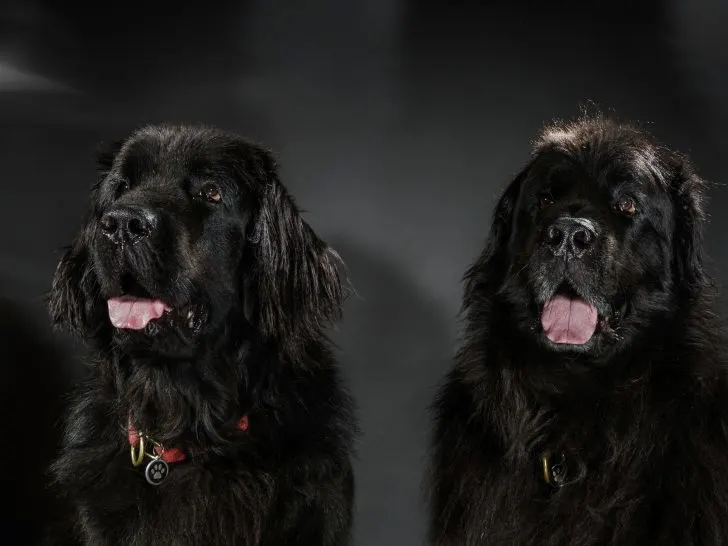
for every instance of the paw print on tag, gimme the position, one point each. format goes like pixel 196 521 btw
pixel 156 471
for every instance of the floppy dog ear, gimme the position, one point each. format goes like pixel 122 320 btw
pixel 491 266
pixel 294 288
pixel 73 301
pixel 689 195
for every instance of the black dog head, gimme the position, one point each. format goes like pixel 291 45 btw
pixel 593 239
pixel 189 234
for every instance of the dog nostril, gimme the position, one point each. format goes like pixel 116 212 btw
pixel 137 228
pixel 554 236
pixel 582 239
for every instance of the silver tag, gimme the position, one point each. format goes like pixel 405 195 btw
pixel 156 471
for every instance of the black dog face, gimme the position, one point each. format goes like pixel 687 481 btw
pixel 593 238
pixel 190 233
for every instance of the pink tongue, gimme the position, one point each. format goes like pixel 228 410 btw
pixel 134 313
pixel 569 320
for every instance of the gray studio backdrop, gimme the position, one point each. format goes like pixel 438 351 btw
pixel 396 123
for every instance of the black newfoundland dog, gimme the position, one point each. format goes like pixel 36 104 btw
pixel 214 412
pixel 588 404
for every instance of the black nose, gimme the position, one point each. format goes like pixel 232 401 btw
pixel 570 237
pixel 128 224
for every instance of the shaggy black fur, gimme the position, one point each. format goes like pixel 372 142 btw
pixel 640 412
pixel 251 289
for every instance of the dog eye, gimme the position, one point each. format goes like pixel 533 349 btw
pixel 626 205
pixel 545 201
pixel 211 193
pixel 122 186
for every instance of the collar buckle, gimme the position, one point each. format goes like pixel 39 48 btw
pixel 554 469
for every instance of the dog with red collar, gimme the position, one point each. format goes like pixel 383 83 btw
pixel 213 411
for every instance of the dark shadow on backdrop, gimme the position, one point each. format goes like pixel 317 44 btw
pixel 34 380
pixel 394 349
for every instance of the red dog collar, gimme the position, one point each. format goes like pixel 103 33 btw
pixel 171 455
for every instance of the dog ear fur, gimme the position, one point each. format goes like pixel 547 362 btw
pixel 488 271
pixel 689 197
pixel 294 275
pixel 73 300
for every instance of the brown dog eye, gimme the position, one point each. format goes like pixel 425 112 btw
pixel 626 205
pixel 545 201
pixel 211 193
pixel 121 187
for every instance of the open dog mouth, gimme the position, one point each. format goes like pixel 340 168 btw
pixel 138 310
pixel 569 319
pixel 133 313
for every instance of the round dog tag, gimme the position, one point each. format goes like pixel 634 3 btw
pixel 156 471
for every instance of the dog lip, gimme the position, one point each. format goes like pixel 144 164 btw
pixel 567 288
pixel 571 289
pixel 583 348
pixel 189 316
pixel 129 286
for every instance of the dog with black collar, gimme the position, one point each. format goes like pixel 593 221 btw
pixel 588 402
